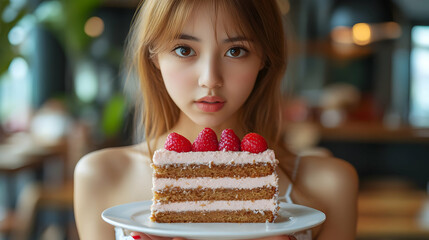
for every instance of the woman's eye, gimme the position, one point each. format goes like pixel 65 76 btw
pixel 236 52
pixel 184 51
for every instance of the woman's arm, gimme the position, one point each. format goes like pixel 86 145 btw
pixel 333 183
pixel 342 207
pixel 90 193
pixel 106 178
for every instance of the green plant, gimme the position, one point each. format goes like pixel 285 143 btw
pixel 66 19
pixel 10 15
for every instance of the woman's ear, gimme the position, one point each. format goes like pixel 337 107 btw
pixel 155 61
pixel 262 64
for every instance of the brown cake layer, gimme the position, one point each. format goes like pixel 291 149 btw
pixel 242 216
pixel 179 194
pixel 215 171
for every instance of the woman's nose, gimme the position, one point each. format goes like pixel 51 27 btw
pixel 210 76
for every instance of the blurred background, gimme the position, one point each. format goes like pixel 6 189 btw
pixel 357 87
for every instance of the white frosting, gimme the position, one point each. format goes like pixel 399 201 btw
pixel 255 205
pixel 165 157
pixel 206 182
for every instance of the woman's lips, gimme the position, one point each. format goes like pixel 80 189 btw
pixel 210 103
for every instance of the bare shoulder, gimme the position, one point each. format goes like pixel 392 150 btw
pixel 331 185
pixel 113 172
pixel 106 178
pixel 109 162
pixel 328 178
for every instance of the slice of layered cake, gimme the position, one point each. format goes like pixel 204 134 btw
pixel 232 182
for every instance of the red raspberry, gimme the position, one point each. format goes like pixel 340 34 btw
pixel 206 141
pixel 253 143
pixel 229 141
pixel 178 143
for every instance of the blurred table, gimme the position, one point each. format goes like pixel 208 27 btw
pixel 22 152
pixel 393 213
pixel 12 161
pixel 373 132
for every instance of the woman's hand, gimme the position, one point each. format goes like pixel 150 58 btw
pixel 143 236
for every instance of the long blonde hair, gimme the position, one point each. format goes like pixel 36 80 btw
pixel 158 22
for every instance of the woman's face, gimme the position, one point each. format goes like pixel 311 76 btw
pixel 209 71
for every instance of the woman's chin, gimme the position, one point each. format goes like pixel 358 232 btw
pixel 210 121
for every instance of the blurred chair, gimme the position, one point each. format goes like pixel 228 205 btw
pixel 34 199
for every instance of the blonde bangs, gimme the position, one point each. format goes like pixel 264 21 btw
pixel 162 31
pixel 166 22
pixel 236 24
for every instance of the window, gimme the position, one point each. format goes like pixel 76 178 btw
pixel 419 86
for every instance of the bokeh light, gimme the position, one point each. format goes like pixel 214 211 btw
pixel 361 33
pixel 94 26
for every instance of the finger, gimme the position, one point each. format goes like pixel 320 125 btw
pixel 143 236
pixel 139 236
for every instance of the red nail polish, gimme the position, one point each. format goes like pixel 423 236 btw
pixel 137 237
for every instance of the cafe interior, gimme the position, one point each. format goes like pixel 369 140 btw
pixel 356 87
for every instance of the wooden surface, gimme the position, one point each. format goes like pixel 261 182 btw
pixel 24 152
pixel 393 212
pixel 374 132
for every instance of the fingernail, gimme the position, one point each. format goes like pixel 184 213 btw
pixel 137 237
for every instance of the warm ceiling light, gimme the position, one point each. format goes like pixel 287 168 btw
pixel 361 33
pixel 94 27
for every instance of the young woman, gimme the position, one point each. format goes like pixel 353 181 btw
pixel 217 64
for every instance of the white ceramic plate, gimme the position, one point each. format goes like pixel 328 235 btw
pixel 135 216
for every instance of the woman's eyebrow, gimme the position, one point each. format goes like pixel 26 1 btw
pixel 236 39
pixel 228 40
pixel 188 37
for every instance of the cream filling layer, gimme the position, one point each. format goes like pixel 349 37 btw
pixel 206 182
pixel 164 157
pixel 256 205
